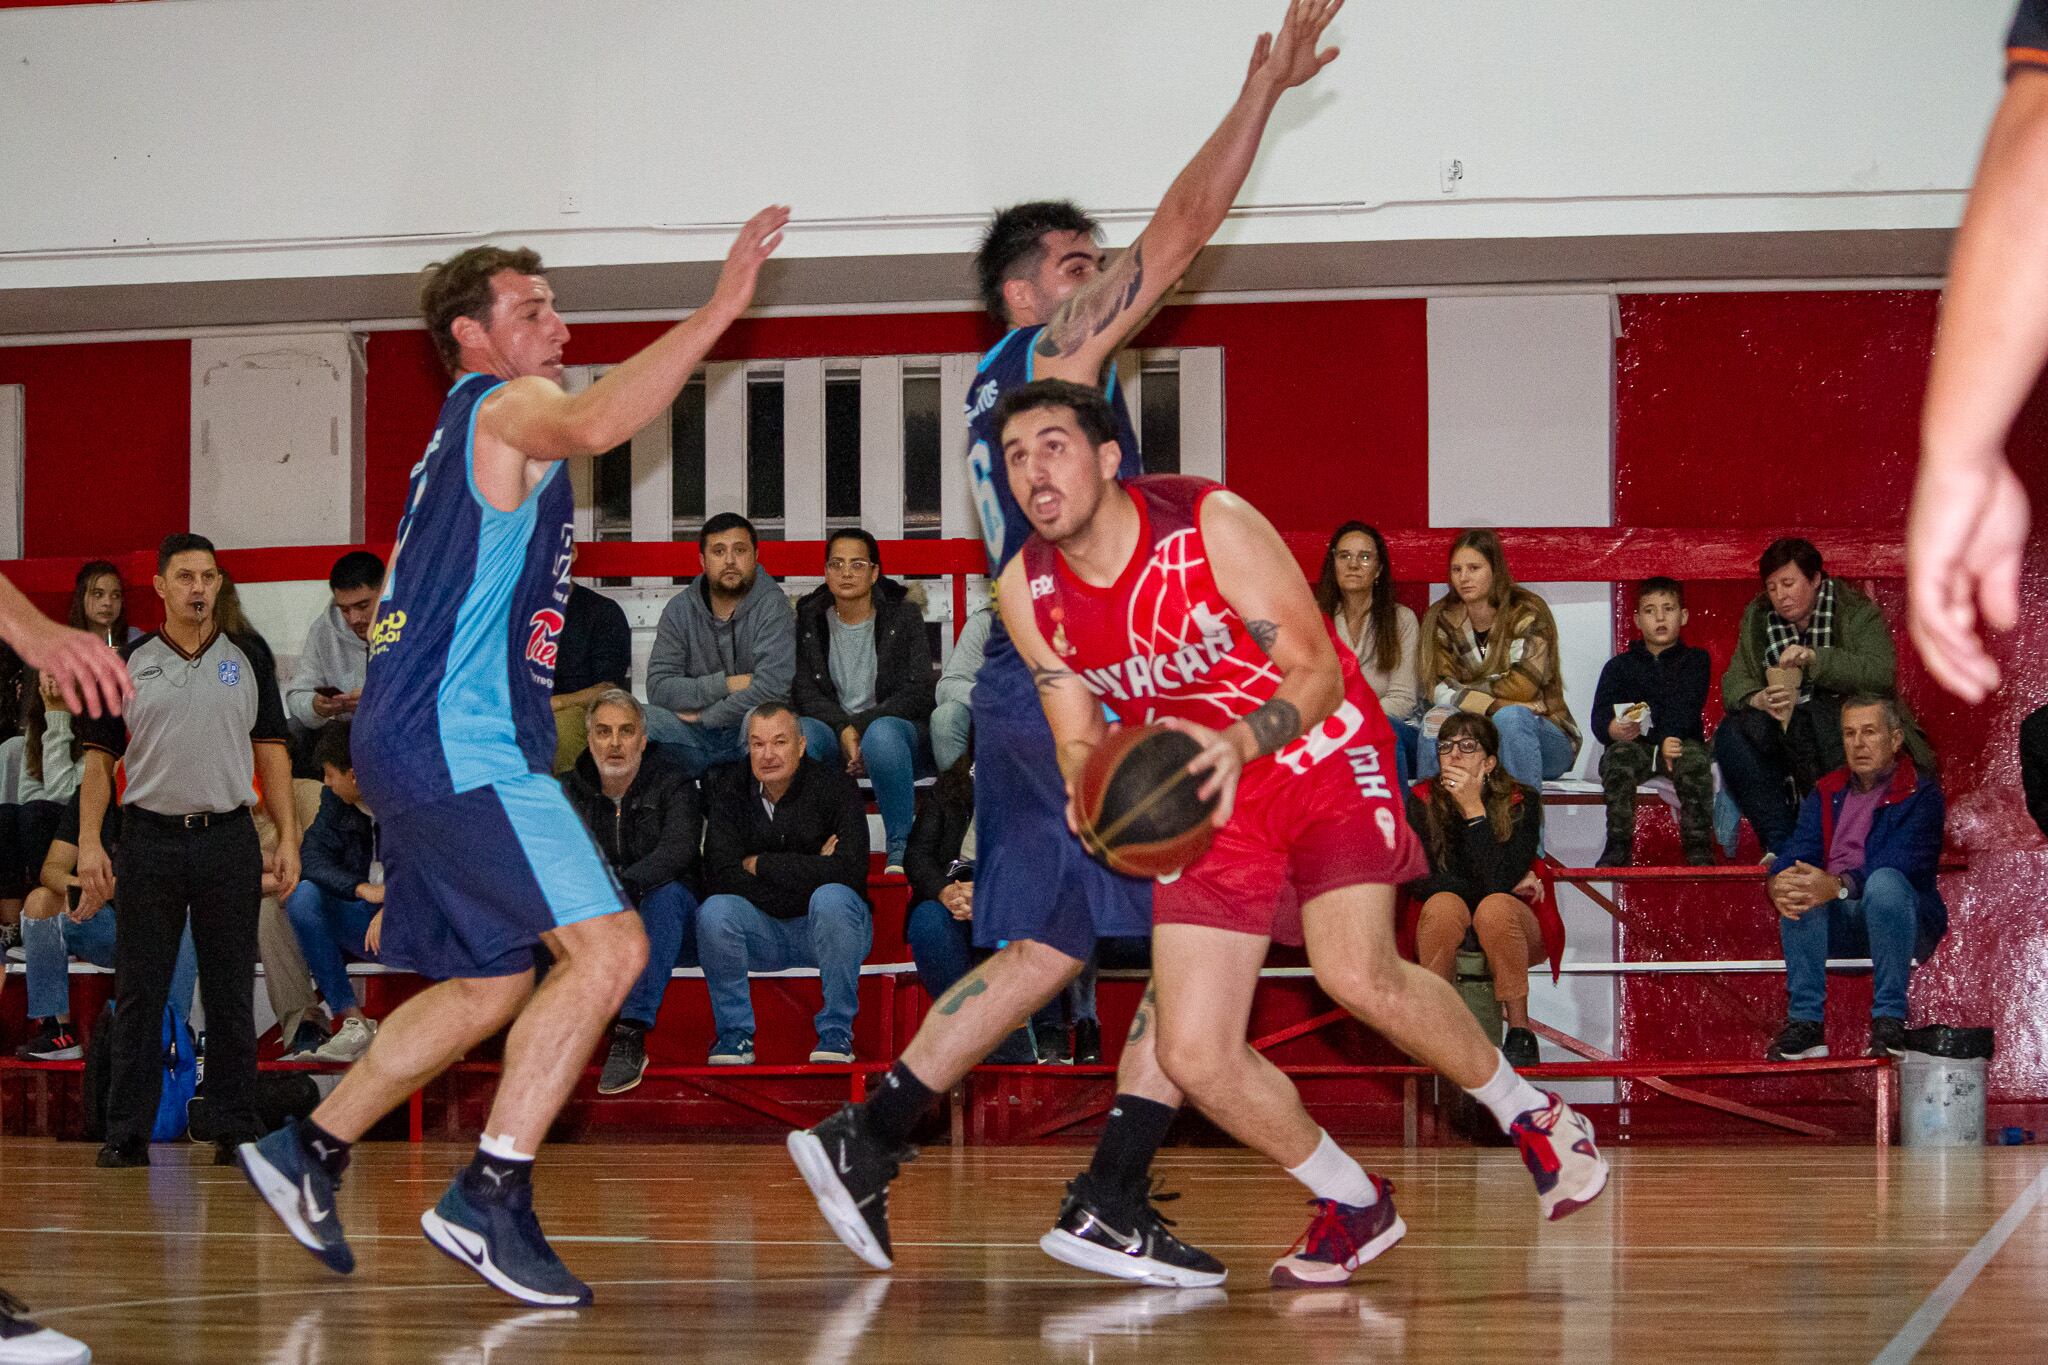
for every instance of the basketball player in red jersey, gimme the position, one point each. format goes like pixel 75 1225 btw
pixel 1171 599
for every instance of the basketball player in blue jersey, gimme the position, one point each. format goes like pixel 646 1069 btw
pixel 483 857
pixel 1038 898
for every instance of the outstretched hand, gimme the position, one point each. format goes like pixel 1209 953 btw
pixel 757 240
pixel 87 671
pixel 1964 544
pixel 1290 58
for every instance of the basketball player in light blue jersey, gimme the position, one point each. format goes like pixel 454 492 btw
pixel 453 742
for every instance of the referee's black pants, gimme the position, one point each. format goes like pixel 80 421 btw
pixel 162 872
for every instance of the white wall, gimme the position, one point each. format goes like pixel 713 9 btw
pixel 229 139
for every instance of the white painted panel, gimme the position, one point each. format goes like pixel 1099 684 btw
pixel 1201 411
pixel 1521 411
pixel 582 473
pixel 652 506
pixel 11 453
pixel 881 446
pixel 803 449
pixel 274 422
pixel 725 439
pixel 956 495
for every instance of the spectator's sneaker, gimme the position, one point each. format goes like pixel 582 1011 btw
pixel 1799 1041
pixel 349 1042
pixel 307 1039
pixel 1340 1239
pixel 849 1172
pixel 1134 1247
pixel 22 1342
pixel 1887 1036
pixel 300 1192
pixel 500 1239
pixel 626 1063
pixel 1088 1042
pixel 116 1156
pixel 54 1042
pixel 732 1049
pixel 1015 1050
pixel 1520 1048
pixel 1557 1147
pixel 1617 853
pixel 833 1049
pixel 1053 1045
pixel 893 867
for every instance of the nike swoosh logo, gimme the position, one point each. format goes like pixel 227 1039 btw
pixel 844 1169
pixel 474 1253
pixel 1128 1243
pixel 314 1213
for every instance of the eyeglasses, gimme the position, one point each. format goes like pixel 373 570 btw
pixel 1355 556
pixel 849 565
pixel 1458 746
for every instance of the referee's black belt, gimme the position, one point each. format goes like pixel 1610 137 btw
pixel 201 820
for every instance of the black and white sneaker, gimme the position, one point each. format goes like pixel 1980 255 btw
pixel 301 1193
pixel 54 1042
pixel 1887 1036
pixel 500 1239
pixel 1138 1247
pixel 22 1342
pixel 1800 1040
pixel 849 1172
pixel 626 1063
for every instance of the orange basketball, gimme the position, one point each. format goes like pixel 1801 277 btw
pixel 1140 810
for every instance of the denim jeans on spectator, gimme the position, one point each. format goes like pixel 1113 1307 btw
pixel 952 724
pixel 692 747
pixel 1406 734
pixel 50 943
pixel 1768 768
pixel 891 749
pixel 1532 749
pixel 669 914
pixel 734 938
pixel 943 949
pixel 330 930
pixel 1883 923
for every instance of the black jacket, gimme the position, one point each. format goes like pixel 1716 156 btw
pixel 596 644
pixel 821 802
pixel 935 839
pixel 904 682
pixel 1478 865
pixel 1674 683
pixel 651 836
pixel 338 847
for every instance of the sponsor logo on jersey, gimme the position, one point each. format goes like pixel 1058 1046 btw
pixel 543 636
pixel 984 399
pixel 230 672
pixel 1153 675
pixel 1330 737
pixel 385 630
pixel 1042 586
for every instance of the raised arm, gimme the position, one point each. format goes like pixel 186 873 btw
pixel 1070 708
pixel 1096 320
pixel 86 670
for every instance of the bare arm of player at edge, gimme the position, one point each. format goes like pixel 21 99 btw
pixel 1096 320
pixel 531 420
pixel 1969 522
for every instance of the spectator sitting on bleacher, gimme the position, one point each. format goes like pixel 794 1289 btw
pixel 864 679
pixel 62 920
pixel 1857 876
pixel 99 604
pixel 1649 706
pixel 593 655
pixel 42 767
pixel 786 861
pixel 953 711
pixel 643 812
pixel 1489 647
pixel 724 645
pixel 327 680
pixel 1356 592
pixel 337 909
pixel 1482 830
pixel 1806 642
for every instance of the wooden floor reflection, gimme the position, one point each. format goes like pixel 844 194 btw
pixel 708 1253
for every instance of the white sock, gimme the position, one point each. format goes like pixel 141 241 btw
pixel 1330 1173
pixel 502 1148
pixel 1507 1095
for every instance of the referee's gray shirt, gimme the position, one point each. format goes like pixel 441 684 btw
pixel 186 735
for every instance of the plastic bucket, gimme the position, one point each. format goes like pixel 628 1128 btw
pixel 1941 1101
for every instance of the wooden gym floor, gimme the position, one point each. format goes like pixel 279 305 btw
pixel 716 1253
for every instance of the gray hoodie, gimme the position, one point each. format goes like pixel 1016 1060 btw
pixel 694 652
pixel 335 657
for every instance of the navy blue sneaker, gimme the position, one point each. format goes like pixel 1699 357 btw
pixel 501 1240
pixel 300 1192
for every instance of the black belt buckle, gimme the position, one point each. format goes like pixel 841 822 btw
pixel 198 821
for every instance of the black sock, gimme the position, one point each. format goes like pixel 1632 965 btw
pixel 896 1105
pixel 329 1151
pixel 494 1177
pixel 1123 1154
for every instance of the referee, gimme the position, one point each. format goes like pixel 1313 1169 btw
pixel 205 720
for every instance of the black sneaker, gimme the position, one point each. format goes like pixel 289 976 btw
pixel 500 1239
pixel 1617 853
pixel 54 1042
pixel 626 1062
pixel 307 1039
pixel 117 1155
pixel 1887 1036
pixel 1128 1247
pixel 849 1172
pixel 1088 1042
pixel 1799 1041
pixel 1519 1047
pixel 23 1341
pixel 1054 1046
pixel 301 1193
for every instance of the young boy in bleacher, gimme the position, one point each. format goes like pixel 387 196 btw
pixel 1648 709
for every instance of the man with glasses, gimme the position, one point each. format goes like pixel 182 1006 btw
pixel 864 679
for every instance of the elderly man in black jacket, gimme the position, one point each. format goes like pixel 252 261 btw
pixel 786 861
pixel 643 812
pixel 864 684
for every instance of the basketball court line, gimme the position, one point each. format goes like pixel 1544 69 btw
pixel 1921 1326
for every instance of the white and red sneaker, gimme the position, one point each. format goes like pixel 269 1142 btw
pixel 1556 1143
pixel 1340 1239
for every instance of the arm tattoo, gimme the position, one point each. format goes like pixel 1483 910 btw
pixel 1089 313
pixel 1263 634
pixel 1275 724
pixel 1049 678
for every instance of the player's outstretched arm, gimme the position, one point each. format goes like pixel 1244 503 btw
pixel 1071 710
pixel 1091 325
pixel 86 669
pixel 1969 521
pixel 536 418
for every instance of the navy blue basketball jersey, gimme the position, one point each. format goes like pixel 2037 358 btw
pixel 1008 365
pixel 462 651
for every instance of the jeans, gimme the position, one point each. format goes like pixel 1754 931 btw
pixel 50 943
pixel 1532 749
pixel 330 930
pixel 943 949
pixel 1768 768
pixel 1884 922
pixel 952 725
pixel 890 747
pixel 1406 735
pixel 734 938
pixel 693 747
pixel 669 914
